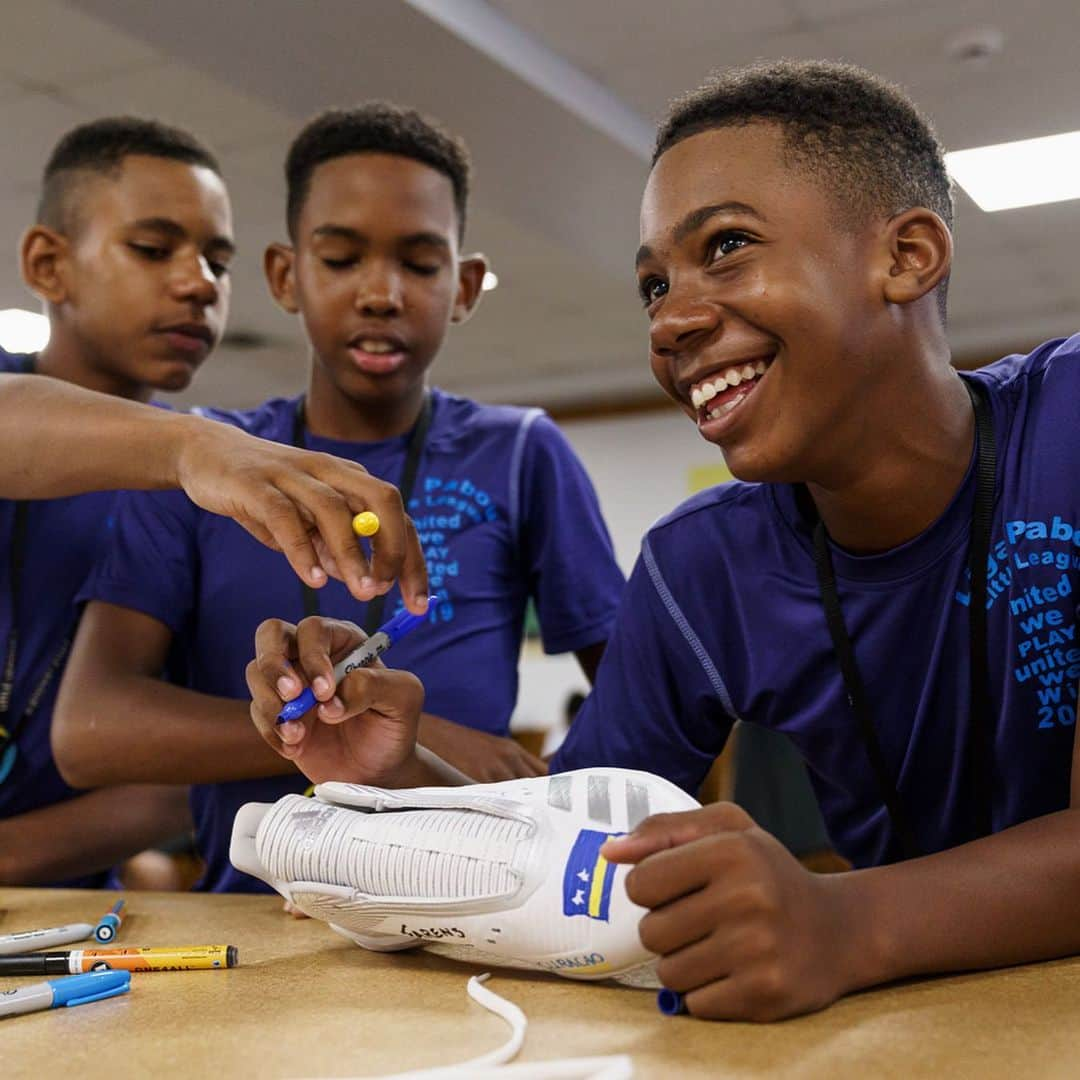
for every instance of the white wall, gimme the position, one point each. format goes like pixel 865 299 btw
pixel 641 467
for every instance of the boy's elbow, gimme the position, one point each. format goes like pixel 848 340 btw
pixel 79 762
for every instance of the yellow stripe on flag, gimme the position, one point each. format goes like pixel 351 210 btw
pixel 596 892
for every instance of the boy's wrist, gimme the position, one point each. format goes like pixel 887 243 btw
pixel 868 956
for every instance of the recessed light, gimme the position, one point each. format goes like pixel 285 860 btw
pixel 1024 173
pixel 23 331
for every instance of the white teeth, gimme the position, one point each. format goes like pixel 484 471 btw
pixel 760 366
pixel 370 345
pixel 747 371
pixel 708 391
pixel 697 398
pixel 732 376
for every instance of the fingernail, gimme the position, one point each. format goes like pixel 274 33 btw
pixel 332 709
pixel 286 687
pixel 292 731
pixel 321 686
pixel 318 575
pixel 367 584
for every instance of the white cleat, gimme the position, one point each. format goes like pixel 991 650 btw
pixel 506 874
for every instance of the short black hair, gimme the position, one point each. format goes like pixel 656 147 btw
pixel 864 135
pixel 100 147
pixel 861 136
pixel 375 127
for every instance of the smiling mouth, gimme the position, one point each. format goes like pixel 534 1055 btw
pixel 721 393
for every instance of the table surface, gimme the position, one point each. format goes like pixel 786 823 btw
pixel 307 1003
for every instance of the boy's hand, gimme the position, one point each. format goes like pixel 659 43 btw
pixel 364 732
pixel 302 504
pixel 483 757
pixel 743 931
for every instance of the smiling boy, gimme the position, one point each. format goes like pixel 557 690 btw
pixel 376 214
pixel 892 581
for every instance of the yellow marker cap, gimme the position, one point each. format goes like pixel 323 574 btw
pixel 365 523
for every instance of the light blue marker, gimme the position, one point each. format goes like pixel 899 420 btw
pixel 66 992
pixel 390 633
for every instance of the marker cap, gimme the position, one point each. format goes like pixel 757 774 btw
pixel 403 622
pixel 92 986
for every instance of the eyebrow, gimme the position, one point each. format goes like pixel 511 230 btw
pixel 343 232
pixel 695 219
pixel 178 232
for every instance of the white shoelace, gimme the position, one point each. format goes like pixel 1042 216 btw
pixel 492 1066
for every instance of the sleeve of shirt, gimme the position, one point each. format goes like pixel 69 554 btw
pixel 653 706
pixel 567 552
pixel 149 562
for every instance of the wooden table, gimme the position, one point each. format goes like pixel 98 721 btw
pixel 306 1003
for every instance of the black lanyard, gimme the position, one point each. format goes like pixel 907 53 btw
pixel 980 763
pixel 414 451
pixel 10 729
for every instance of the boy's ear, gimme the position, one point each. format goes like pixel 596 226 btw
pixel 278 265
pixel 43 255
pixel 920 255
pixel 471 271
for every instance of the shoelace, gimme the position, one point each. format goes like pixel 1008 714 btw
pixel 492 1066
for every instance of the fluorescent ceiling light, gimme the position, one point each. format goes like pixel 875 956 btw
pixel 1024 173
pixel 491 281
pixel 23 331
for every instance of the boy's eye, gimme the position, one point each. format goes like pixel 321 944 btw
pixel 425 269
pixel 218 269
pixel 150 251
pixel 726 243
pixel 338 264
pixel 651 289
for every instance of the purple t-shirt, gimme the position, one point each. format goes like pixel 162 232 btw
pixel 504 511
pixel 63 539
pixel 722 620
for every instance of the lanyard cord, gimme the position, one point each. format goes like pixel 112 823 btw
pixel 413 453
pixel 980 763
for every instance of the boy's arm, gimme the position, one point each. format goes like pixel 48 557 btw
pixel 116 721
pixel 57 439
pixel 89 833
pixel 746 933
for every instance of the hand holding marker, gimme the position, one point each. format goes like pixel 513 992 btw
pixel 390 633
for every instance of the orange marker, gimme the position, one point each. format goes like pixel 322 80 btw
pixel 176 958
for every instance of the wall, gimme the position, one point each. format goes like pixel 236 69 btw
pixel 642 467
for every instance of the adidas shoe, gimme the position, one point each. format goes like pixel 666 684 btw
pixel 506 874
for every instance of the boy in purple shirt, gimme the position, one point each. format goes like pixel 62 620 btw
pixel 129 253
pixel 892 581
pixel 502 506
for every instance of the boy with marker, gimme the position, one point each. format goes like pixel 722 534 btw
pixel 376 217
pixel 129 253
pixel 892 581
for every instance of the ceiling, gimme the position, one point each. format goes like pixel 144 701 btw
pixel 557 101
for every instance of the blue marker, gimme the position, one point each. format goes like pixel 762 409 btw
pixel 388 634
pixel 109 923
pixel 670 1002
pixel 58 993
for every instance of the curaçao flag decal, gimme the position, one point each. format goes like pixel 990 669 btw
pixel 588 877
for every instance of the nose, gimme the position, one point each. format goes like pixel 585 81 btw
pixel 378 290
pixel 683 319
pixel 195 281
